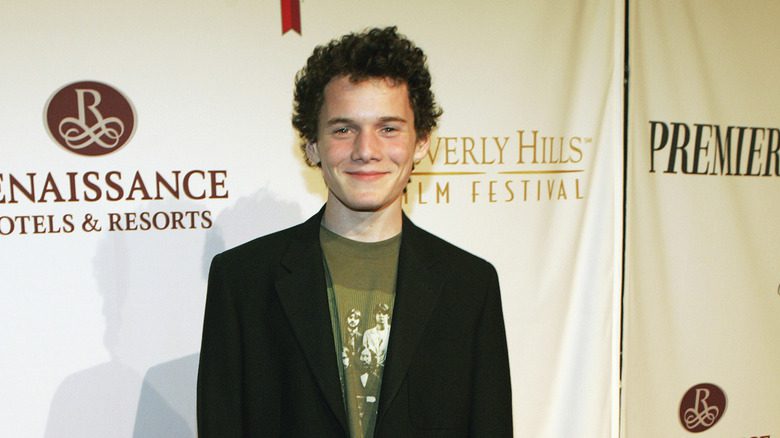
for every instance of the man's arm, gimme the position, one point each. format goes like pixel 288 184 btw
pixel 220 370
pixel 491 411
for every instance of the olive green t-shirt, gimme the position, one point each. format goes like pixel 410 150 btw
pixel 361 290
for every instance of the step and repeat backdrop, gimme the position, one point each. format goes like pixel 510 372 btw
pixel 702 298
pixel 141 138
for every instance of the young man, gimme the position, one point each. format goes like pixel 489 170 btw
pixel 271 361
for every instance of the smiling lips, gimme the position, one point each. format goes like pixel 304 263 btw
pixel 363 175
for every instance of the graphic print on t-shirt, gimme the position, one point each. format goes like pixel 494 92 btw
pixel 363 356
pixel 361 292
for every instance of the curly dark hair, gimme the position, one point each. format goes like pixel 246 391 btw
pixel 373 53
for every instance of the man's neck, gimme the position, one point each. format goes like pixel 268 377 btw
pixel 363 226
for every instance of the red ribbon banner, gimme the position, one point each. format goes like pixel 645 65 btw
pixel 291 16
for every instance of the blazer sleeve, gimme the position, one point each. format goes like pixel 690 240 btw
pixel 219 404
pixel 491 410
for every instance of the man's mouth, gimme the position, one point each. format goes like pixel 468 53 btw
pixel 366 175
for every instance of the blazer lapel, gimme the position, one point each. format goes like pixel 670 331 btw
pixel 302 293
pixel 416 293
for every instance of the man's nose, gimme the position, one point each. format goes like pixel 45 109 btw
pixel 366 147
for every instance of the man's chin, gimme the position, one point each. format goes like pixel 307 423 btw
pixel 368 206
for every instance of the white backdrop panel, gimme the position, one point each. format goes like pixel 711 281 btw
pixel 102 328
pixel 702 300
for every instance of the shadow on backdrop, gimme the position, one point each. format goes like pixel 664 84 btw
pixel 166 407
pixel 153 289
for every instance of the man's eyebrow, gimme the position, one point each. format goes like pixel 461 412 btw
pixel 392 119
pixel 339 120
pixel 348 121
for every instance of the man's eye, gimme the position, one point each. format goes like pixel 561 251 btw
pixel 389 129
pixel 342 130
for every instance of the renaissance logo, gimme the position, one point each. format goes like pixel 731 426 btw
pixel 524 167
pixel 701 407
pixel 708 149
pixel 89 118
pixel 92 119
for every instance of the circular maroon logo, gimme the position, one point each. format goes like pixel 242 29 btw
pixel 89 118
pixel 701 407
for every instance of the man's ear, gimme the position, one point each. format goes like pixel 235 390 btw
pixel 421 148
pixel 313 153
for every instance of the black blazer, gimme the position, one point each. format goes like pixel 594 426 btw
pixel 268 365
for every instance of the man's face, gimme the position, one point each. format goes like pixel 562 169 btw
pixel 366 143
pixel 365 358
pixel 382 318
pixel 353 320
pixel 345 357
